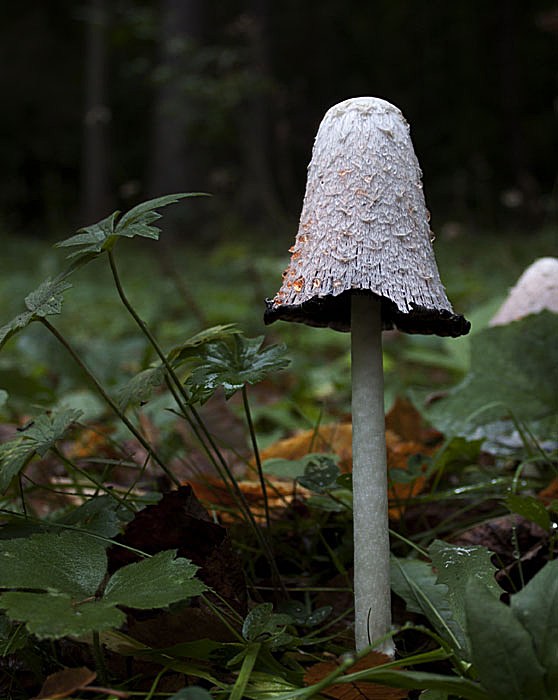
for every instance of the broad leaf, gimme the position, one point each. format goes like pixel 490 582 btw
pixel 536 607
pixel 530 508
pixel 415 582
pixel 140 387
pixel 502 649
pixel 262 623
pixel 320 473
pixel 154 582
pixel 455 566
pixel 69 568
pixel 514 369
pixel 232 363
pixel 94 239
pixel 38 438
pixel 138 221
pixel 91 239
pixel 99 515
pixel 68 562
pixel 191 347
pixel 44 301
pixel 55 615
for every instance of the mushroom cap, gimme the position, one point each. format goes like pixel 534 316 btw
pixel 364 229
pixel 535 290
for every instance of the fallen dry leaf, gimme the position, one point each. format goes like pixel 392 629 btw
pixel 361 690
pixel 63 683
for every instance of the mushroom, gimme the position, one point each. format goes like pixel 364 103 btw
pixel 363 261
pixel 535 290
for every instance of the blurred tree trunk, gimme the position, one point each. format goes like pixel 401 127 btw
pixel 95 190
pixel 512 88
pixel 173 161
pixel 259 196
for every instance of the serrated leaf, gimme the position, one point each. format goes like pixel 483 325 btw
pixel 16 324
pixel 98 515
pixel 530 508
pixel 456 565
pixel 536 607
pixel 415 582
pixel 514 368
pixel 38 438
pixel 91 239
pixel 46 300
pixel 140 388
pixel 57 615
pixel 67 562
pixel 154 583
pixel 262 623
pixel 232 363
pixel 14 455
pixel 47 429
pixel 320 473
pixel 191 346
pixel 138 221
pixel 501 648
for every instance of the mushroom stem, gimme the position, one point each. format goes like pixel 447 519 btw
pixel 370 500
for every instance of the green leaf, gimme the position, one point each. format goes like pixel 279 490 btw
pixel 415 582
pixel 530 508
pixel 137 222
pixel 514 368
pixel 44 301
pixel 458 687
pixel 501 648
pixel 455 566
pixel 154 582
pixel 192 346
pixel 536 607
pixel 91 239
pixel 70 568
pixel 98 515
pixel 57 615
pixel 15 325
pixel 262 623
pixel 320 473
pixel 140 387
pixel 68 562
pixel 13 636
pixel 192 693
pixel 232 363
pixel 47 299
pixel 38 438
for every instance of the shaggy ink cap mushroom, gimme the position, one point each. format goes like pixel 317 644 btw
pixel 364 229
pixel 535 290
pixel 363 261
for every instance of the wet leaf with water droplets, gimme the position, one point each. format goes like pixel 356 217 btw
pixel 232 363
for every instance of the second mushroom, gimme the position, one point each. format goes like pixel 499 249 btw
pixel 363 262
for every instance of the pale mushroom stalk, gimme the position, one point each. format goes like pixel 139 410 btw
pixel 370 501
pixel 363 262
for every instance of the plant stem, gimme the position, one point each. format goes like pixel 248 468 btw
pixel 195 419
pixel 99 659
pixel 131 427
pixel 256 454
pixel 370 500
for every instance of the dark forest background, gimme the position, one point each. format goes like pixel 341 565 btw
pixel 107 103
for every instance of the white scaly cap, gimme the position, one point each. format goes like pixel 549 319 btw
pixel 364 228
pixel 535 290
